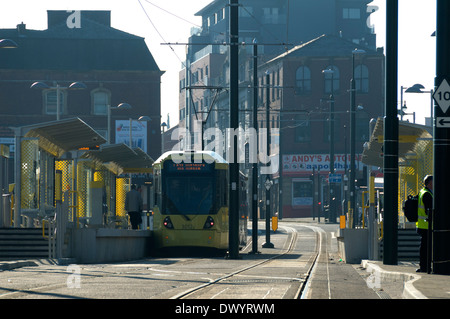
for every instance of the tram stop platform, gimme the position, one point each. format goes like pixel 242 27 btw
pixel 399 281
pixel 415 285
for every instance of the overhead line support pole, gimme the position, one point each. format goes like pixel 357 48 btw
pixel 234 124
pixel 255 164
pixel 391 137
pixel 441 217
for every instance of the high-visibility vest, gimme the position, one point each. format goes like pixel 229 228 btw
pixel 422 222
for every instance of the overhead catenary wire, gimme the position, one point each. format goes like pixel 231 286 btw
pixel 157 31
pixel 183 63
pixel 173 14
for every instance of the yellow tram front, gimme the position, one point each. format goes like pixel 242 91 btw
pixel 191 200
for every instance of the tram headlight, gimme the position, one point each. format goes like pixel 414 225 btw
pixel 168 223
pixel 209 223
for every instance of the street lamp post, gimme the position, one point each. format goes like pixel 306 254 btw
pixel 163 126
pixel 255 163
pixel 268 182
pixel 352 190
pixel 417 88
pixel 144 118
pixel 331 207
pixel 58 89
pixel 121 106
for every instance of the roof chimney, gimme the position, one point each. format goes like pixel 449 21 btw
pixel 57 17
pixel 21 29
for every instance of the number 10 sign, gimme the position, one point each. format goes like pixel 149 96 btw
pixel 442 96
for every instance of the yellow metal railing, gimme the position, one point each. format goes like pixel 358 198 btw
pixel 51 237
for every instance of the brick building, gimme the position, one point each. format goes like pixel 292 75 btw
pixel 278 24
pixel 299 94
pixel 116 67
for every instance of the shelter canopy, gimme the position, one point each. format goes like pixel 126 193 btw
pixel 120 158
pixel 59 137
pixel 410 137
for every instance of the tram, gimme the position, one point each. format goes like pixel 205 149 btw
pixel 191 201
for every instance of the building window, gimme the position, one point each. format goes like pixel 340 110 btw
pixel 100 101
pixel 50 102
pixel 270 15
pixel 362 79
pixel 303 80
pixel 182 84
pixel 332 77
pixel 351 13
pixel 278 84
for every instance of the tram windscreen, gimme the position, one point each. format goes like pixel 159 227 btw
pixel 189 195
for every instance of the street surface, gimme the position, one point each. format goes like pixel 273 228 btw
pixel 272 273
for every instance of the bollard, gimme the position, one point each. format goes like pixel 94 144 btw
pixel 275 222
pixel 342 221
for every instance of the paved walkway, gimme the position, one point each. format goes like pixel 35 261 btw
pixel 391 281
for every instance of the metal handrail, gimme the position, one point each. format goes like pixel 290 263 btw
pixel 51 236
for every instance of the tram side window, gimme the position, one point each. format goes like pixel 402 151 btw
pixel 157 189
pixel 222 188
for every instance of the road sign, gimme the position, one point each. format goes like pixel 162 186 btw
pixel 443 122
pixel 335 178
pixel 268 183
pixel 442 96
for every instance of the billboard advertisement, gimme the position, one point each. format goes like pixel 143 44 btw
pixel 138 133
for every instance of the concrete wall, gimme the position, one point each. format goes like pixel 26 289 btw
pixel 103 245
pixel 353 245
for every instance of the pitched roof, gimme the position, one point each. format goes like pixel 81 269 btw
pixel 94 46
pixel 324 46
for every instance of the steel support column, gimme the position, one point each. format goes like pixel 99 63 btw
pixel 441 222
pixel 391 137
pixel 234 124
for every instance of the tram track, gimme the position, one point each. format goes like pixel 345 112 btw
pixel 281 273
pixel 303 291
pixel 236 276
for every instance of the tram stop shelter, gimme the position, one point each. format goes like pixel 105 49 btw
pixel 415 157
pixel 66 164
pixel 39 148
pixel 415 161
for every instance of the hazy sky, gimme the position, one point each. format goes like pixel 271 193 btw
pixel 165 24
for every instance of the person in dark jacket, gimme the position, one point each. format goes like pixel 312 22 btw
pixel 133 205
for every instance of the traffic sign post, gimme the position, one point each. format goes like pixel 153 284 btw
pixel 441 136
